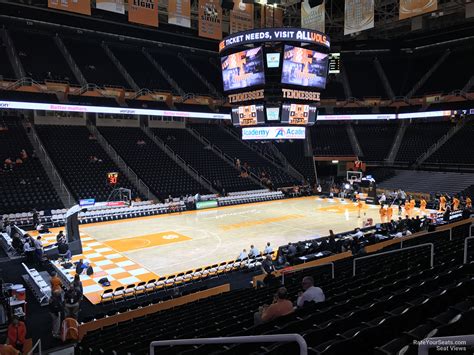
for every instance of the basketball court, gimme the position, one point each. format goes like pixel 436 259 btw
pixel 134 250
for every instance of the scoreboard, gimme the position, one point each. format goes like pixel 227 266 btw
pixel 334 63
pixel 274 77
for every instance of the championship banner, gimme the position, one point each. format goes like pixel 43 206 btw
pixel 111 5
pixel 144 12
pixel 241 17
pixel 271 17
pixel 358 16
pixel 210 19
pixel 313 18
pixel 411 8
pixel 179 13
pixel 77 6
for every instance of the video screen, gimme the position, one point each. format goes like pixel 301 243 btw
pixel 298 114
pixel 304 67
pixel 273 60
pixel 273 114
pixel 243 69
pixel 250 115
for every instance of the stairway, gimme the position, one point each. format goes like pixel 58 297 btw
pixel 120 67
pixel 13 55
pixel 64 194
pixel 397 142
pixel 163 72
pixel 70 61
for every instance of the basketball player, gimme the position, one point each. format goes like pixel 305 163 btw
pixel 389 213
pixel 412 205
pixel 359 207
pixel 442 203
pixel 468 202
pixel 407 208
pixel 423 206
pixel 456 203
pixel 382 213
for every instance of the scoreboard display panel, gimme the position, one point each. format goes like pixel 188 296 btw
pixel 298 114
pixel 249 115
pixel 243 69
pixel 304 67
pixel 334 63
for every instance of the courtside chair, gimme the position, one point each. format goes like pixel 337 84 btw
pixel 150 286
pixel 140 289
pixel 213 270
pixel 170 281
pixel 205 273
pixel 118 294
pixel 107 296
pixel 188 276
pixel 129 291
pixel 222 268
pixel 160 284
pixel 179 279
pixel 197 274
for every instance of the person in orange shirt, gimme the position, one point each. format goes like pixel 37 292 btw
pixel 468 202
pixel 389 213
pixel 412 204
pixel 281 306
pixel 423 206
pixel 359 207
pixel 442 203
pixel 55 282
pixel 407 208
pixel 16 334
pixel 456 203
pixel 383 213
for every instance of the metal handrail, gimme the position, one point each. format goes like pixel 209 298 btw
pixel 278 338
pixel 465 248
pixel 394 251
pixel 37 344
pixel 456 340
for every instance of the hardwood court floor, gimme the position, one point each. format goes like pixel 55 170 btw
pixel 177 242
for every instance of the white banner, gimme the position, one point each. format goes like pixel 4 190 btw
pixel 358 16
pixel 115 110
pixel 273 133
pixel 313 17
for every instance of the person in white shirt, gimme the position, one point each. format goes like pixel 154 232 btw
pixel 358 234
pixel 382 199
pixel 311 293
pixel 268 249
pixel 243 255
pixel 253 253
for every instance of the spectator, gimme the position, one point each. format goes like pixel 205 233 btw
pixel 29 250
pixel 310 294
pixel 16 334
pixel 17 244
pixel 56 283
pixel 357 233
pixel 243 255
pixel 268 249
pixel 56 309
pixel 61 238
pixel 72 299
pixel 23 154
pixel 253 253
pixel 281 306
pixel 267 265
pixel 39 249
pixel 64 251
pixel 291 249
pixel 78 284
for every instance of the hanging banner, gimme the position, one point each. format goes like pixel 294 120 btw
pixel 210 19
pixel 77 6
pixel 144 12
pixel 241 17
pixel 111 5
pixel 411 8
pixel 313 18
pixel 179 13
pixel 271 17
pixel 358 16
